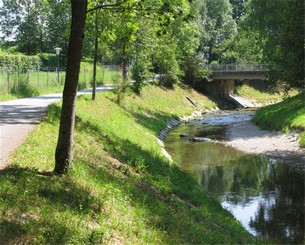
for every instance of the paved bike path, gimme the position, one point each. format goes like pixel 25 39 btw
pixel 18 117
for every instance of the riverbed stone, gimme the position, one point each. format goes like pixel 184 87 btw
pixel 183 135
pixel 201 139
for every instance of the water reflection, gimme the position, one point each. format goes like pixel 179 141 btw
pixel 268 199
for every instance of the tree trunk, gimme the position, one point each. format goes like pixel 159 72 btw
pixel 95 56
pixel 124 63
pixel 64 149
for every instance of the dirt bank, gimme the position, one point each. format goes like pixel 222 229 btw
pixel 247 137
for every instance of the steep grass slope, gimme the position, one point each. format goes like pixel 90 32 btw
pixel 286 115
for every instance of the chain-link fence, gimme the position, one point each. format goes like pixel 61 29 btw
pixel 44 78
pixel 11 81
pixel 104 75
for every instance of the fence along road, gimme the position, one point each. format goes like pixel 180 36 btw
pixel 45 77
pixel 18 117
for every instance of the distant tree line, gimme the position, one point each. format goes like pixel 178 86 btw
pixel 205 31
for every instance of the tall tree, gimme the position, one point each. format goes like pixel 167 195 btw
pixel 57 26
pixel 23 22
pixel 239 8
pixel 217 27
pixel 280 25
pixel 64 152
pixel 64 149
pixel 95 54
pixel 35 26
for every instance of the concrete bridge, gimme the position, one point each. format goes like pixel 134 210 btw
pixel 225 75
pixel 238 71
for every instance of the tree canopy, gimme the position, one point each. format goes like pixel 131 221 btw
pixel 280 27
pixel 216 31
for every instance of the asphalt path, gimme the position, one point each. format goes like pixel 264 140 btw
pixel 18 117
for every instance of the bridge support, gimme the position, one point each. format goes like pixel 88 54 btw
pixel 224 76
pixel 220 88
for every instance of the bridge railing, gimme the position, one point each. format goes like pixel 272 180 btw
pixel 237 67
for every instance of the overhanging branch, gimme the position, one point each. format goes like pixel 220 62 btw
pixel 106 5
pixel 137 9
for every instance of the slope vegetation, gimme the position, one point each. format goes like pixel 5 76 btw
pixel 286 115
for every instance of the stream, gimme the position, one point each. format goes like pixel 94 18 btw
pixel 266 197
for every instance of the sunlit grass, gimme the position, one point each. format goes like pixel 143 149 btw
pixel 262 92
pixel 33 83
pixel 284 116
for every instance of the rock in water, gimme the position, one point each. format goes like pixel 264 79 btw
pixel 183 135
pixel 201 139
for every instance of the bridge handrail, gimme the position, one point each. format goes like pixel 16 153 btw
pixel 237 67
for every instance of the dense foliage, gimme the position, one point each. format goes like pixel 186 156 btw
pixel 280 25
pixel 161 36
pixel 19 62
pixel 35 26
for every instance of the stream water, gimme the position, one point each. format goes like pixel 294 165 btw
pixel 267 198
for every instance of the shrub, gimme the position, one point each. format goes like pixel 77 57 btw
pixel 168 67
pixel 19 62
pixel 120 88
pixel 194 72
pixel 140 73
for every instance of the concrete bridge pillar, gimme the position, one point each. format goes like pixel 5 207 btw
pixel 221 88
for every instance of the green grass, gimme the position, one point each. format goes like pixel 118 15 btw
pixel 29 84
pixel 286 115
pixel 121 189
pixel 262 92
pixel 33 83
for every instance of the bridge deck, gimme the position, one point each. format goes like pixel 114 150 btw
pixel 238 71
pixel 237 67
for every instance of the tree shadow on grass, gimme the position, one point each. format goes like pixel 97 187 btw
pixel 10 232
pixel 269 87
pixel 36 205
pixel 221 103
pixel 153 121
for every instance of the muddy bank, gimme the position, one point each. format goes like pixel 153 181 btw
pixel 247 137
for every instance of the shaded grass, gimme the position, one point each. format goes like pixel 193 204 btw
pixel 262 92
pixel 284 116
pixel 121 189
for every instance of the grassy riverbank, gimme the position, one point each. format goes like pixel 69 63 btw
pixel 284 116
pixel 121 188
pixel 262 92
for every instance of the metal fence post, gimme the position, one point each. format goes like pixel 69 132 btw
pixel 38 70
pixel 47 77
pixel 18 77
pixel 103 81
pixel 8 79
